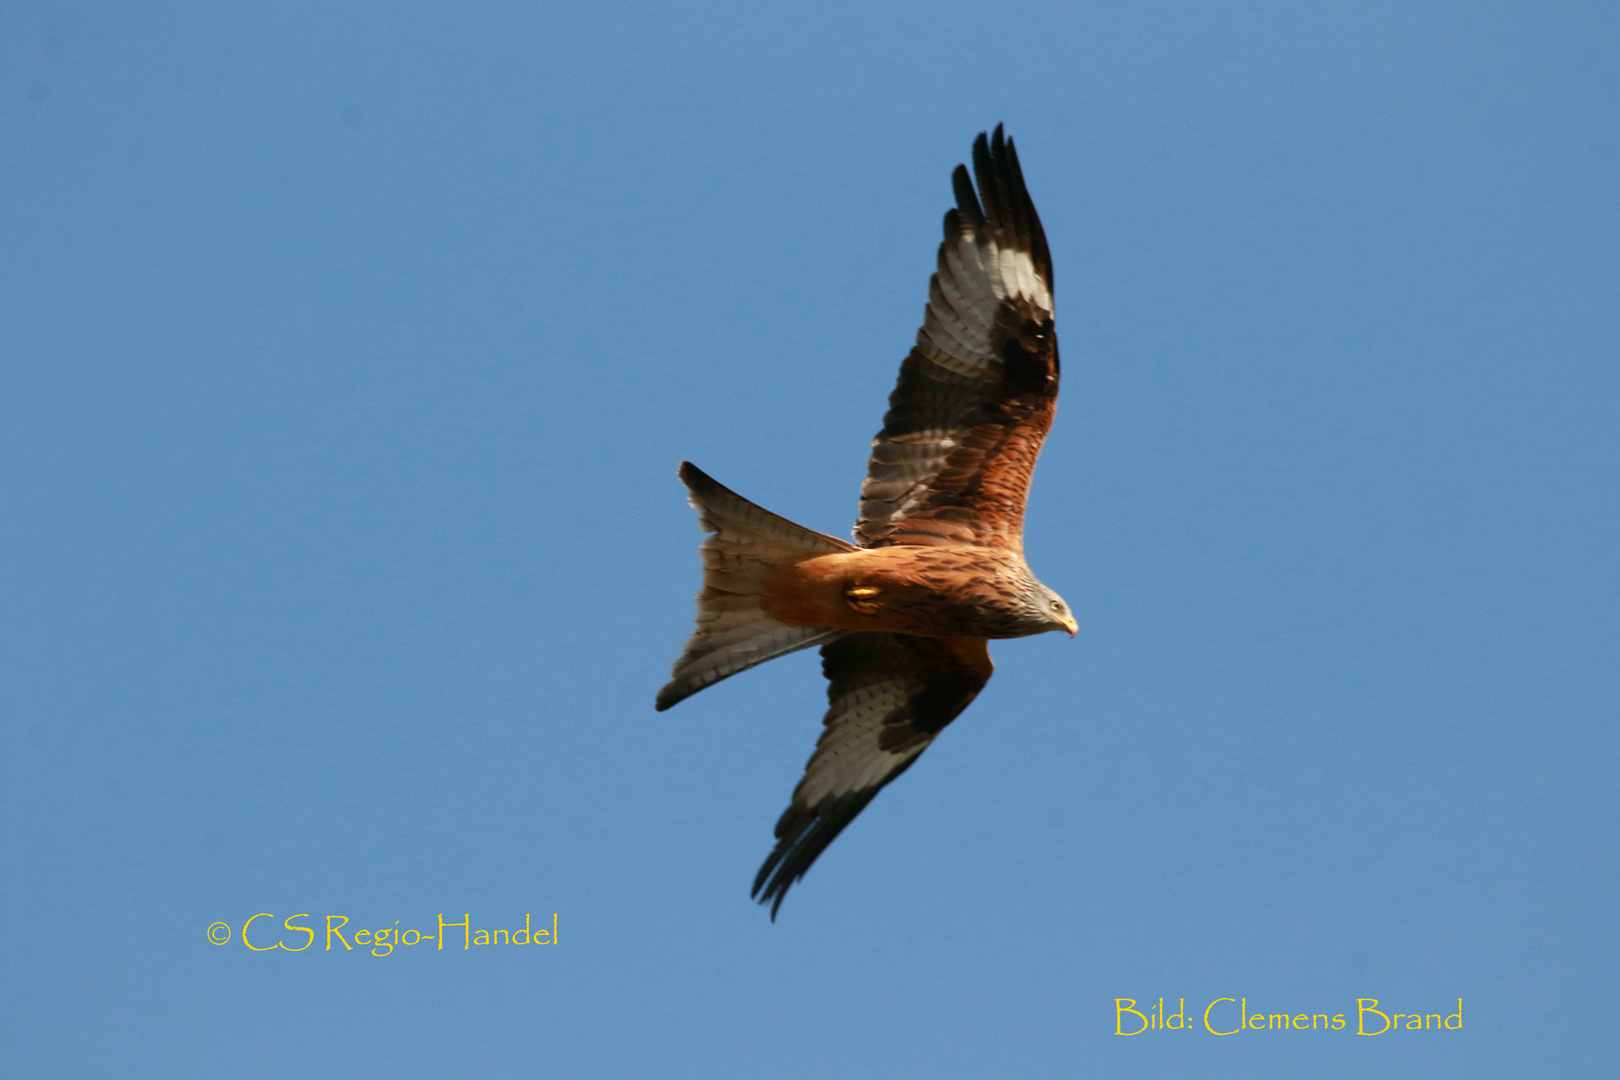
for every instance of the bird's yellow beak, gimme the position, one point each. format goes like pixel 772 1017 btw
pixel 1070 625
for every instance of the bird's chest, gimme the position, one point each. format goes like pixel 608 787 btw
pixel 901 589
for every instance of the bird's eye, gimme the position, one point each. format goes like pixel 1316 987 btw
pixel 1057 605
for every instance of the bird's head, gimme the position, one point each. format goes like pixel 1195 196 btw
pixel 1044 610
pixel 1062 617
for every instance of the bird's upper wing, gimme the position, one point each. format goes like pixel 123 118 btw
pixel 976 395
pixel 890 694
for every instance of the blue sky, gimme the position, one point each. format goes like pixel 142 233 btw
pixel 348 354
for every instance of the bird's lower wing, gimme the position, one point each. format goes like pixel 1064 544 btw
pixel 890 694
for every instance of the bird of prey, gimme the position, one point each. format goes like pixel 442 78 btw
pixel 903 615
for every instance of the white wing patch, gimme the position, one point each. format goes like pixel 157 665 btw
pixel 890 695
pixel 849 756
pixel 975 275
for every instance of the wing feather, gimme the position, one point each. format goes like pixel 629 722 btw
pixel 976 395
pixel 890 694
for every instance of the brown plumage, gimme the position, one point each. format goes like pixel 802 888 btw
pixel 904 618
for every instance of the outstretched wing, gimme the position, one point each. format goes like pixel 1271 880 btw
pixel 890 694
pixel 976 395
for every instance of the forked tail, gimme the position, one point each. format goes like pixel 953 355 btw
pixel 745 543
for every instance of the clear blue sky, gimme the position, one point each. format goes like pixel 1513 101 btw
pixel 348 352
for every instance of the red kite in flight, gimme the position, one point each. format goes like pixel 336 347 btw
pixel 903 616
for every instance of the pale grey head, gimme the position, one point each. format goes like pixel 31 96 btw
pixel 1040 609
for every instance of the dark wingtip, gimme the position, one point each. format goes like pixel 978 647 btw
pixel 802 835
pixel 966 201
pixel 773 896
pixel 984 173
pixel 1005 197
pixel 764 873
pixel 774 878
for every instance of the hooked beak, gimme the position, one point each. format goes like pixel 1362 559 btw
pixel 1070 625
